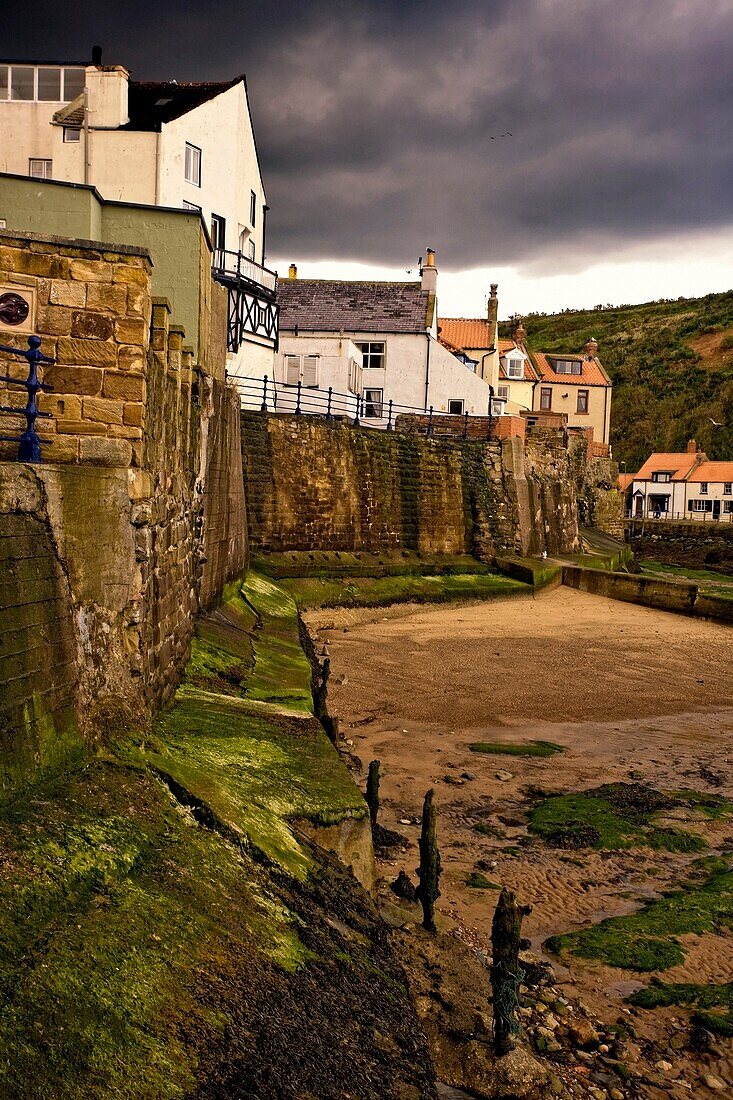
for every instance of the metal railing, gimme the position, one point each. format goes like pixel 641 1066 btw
pixel 235 265
pixel 267 395
pixel 689 516
pixel 29 442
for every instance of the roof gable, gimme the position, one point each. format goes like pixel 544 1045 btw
pixel 591 373
pixel 152 103
pixel 333 305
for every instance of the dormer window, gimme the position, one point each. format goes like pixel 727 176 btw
pixel 567 366
pixel 661 475
pixel 513 364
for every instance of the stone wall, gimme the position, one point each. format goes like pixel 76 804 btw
pixel 683 597
pixel 314 485
pixel 140 525
pixel 694 543
pixel 600 504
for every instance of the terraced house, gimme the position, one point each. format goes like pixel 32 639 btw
pixel 681 485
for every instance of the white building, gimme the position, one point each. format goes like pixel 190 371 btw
pixel 377 340
pixel 156 143
pixel 685 486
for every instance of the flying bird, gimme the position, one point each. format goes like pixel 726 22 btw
pixel 715 423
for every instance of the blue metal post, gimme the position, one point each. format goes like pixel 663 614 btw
pixel 263 406
pixel 29 449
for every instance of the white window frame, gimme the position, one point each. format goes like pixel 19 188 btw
pixel 68 130
pixel 218 231
pixel 192 206
pixel 567 366
pixel 366 348
pixel 305 369
pixel 46 173
pixel 728 505
pixel 727 488
pixel 703 488
pixel 456 401
pixel 376 402
pixel 661 477
pixel 700 505
pixel 251 250
pixel 514 369
pixel 502 393
pixel 64 96
pixel 192 159
pixel 355 376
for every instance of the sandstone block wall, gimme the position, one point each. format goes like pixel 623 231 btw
pixel 312 485
pixel 694 543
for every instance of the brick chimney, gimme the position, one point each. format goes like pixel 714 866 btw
pixel 292 272
pixel 107 88
pixel 493 308
pixel 429 272
pixel 519 332
pixel 692 447
pixel 591 348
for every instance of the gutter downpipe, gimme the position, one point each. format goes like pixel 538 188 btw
pixel 427 368
pixel 265 208
pixel 157 165
pixel 87 165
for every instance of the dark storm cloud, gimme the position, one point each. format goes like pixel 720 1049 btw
pixel 380 124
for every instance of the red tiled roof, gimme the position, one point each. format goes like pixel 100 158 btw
pixel 466 332
pixel 592 373
pixel 624 480
pixel 713 471
pixel 679 464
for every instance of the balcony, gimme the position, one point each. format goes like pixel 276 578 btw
pixel 235 267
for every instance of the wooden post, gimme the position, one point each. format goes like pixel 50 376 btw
pixel 372 791
pixel 428 890
pixel 506 974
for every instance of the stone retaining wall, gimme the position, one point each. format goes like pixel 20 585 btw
pixel 680 596
pixel 698 544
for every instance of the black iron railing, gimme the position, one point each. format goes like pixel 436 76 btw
pixel 237 266
pixel 359 409
pixel 29 442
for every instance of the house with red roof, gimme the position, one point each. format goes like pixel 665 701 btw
pixel 681 485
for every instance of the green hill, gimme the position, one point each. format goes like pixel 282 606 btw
pixel 672 367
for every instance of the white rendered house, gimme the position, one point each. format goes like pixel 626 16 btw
pixel 376 340
pixel 684 485
pixel 153 143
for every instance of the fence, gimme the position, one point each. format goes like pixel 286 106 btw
pixel 29 442
pixel 690 516
pixel 267 395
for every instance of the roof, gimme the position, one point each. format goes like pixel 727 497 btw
pixel 592 373
pixel 71 114
pixel 465 332
pixel 679 464
pixel 713 471
pixel 333 305
pixel 152 103
pixel 529 374
pixel 625 480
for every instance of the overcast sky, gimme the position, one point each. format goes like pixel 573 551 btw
pixel 577 151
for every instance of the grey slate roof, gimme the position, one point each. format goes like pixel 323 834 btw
pixel 333 305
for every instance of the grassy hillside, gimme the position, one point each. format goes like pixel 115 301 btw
pixel 672 367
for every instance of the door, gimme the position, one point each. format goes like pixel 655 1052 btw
pixel 716 509
pixel 638 506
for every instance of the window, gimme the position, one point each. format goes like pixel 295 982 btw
pixel 373 402
pixel 4 81
pixel 372 354
pixel 251 249
pixel 49 85
pixel 658 504
pixel 728 505
pixel 502 392
pixel 661 475
pixel 582 406
pixel 192 168
pixel 72 133
pixel 73 83
pixel 22 82
pixel 301 368
pixel 514 369
pixel 252 209
pixel 455 407
pixel 567 366
pixel 703 487
pixel 497 407
pixel 218 231
pixel 699 506
pixel 40 169
pixel 191 206
pixel 545 399
pixel 727 488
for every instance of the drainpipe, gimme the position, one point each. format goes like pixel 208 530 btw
pixel 157 167
pixel 87 165
pixel 606 427
pixel 427 367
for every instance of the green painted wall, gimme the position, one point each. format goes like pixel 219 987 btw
pixel 173 237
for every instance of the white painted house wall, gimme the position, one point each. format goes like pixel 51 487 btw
pixel 680 494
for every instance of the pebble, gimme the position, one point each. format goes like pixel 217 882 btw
pixel 713 1082
pixel 616 1094
pixel 504 776
pixel 453 779
pixel 664 1066
pixel 468 775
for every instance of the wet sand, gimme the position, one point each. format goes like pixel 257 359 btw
pixel 632 694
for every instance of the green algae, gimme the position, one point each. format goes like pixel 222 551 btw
pixel 382 591
pixel 647 940
pixel 526 748
pixel 704 999
pixel 612 817
pixel 477 881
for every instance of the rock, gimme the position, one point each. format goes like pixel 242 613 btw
pixel 556 1085
pixel 553 1047
pixel 517 1074
pixel 403 887
pixel 582 1032
pixel 453 779
pixel 551 1022
pixel 663 1066
pixel 482 1024
pixel 713 1082
pixel 677 1042
pixel 504 776
pixel 468 775
pixel 616 1094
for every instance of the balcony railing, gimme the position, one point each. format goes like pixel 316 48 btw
pixel 237 267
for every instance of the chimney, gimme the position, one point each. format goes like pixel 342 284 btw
pixel 107 87
pixel 292 272
pixel 429 272
pixel 591 348
pixel 519 333
pixel 692 447
pixel 493 311
pixel 97 56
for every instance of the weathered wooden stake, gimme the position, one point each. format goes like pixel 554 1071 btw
pixel 372 791
pixel 506 974
pixel 428 890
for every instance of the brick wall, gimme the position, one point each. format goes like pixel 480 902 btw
pixel 311 485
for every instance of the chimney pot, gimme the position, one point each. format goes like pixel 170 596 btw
pixel 96 55
pixel 493 306
pixel 591 348
pixel 692 447
pixel 520 333
pixel 429 272
pixel 292 272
